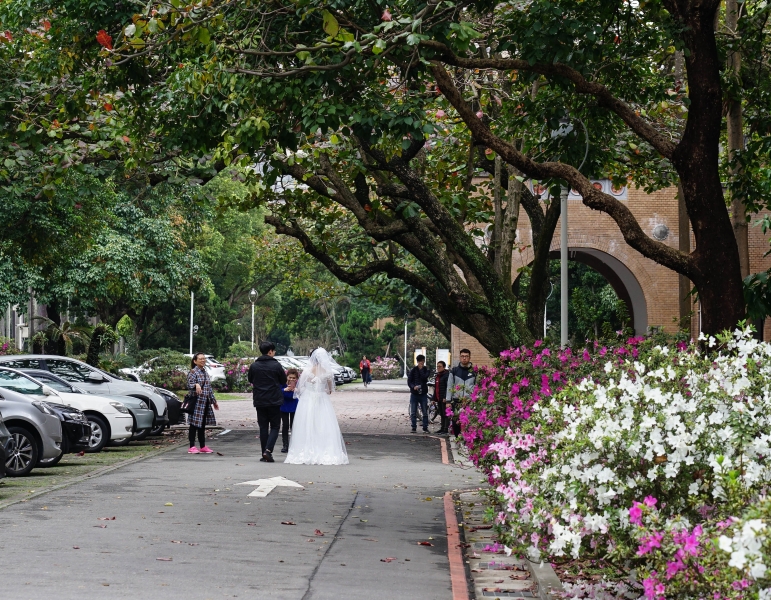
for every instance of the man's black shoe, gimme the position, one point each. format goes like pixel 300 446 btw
pixel 263 459
pixel 413 430
pixel 426 431
pixel 284 449
pixel 268 456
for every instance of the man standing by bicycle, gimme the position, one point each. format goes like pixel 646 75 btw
pixel 417 380
pixel 460 384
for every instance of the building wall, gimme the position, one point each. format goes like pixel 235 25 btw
pixel 596 231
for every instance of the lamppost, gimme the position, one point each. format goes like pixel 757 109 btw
pixel 562 132
pixel 192 298
pixel 253 298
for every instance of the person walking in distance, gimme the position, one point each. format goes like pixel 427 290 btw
pixel 203 415
pixel 460 384
pixel 366 369
pixel 268 379
pixel 417 380
pixel 440 394
pixel 289 407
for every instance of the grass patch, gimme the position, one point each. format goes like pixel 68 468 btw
pixel 72 466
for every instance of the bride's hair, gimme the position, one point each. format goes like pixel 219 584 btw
pixel 321 367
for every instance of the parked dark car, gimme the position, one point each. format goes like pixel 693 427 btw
pixel 5 440
pixel 76 432
pixel 176 416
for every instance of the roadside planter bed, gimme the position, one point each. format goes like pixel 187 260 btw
pixel 639 471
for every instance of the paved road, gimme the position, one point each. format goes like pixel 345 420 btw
pixel 382 408
pixel 224 544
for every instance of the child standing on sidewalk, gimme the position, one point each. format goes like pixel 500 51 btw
pixel 289 407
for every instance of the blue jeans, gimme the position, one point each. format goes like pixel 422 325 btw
pixel 414 400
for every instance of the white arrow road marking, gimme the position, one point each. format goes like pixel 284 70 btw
pixel 266 486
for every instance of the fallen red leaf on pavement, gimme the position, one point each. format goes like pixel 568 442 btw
pixel 319 533
pixel 105 518
pixel 425 544
pixel 165 559
pixel 288 523
pixel 76 547
pixel 389 559
pixel 499 581
pixel 81 453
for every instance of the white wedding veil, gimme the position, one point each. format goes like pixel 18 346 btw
pixel 320 367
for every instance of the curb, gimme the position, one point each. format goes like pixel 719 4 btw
pixel 546 578
pixel 96 473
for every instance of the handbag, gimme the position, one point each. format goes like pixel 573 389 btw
pixel 188 404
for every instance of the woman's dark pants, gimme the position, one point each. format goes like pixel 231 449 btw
pixel 287 420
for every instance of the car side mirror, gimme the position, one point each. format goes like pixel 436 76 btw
pixel 94 377
pixel 49 391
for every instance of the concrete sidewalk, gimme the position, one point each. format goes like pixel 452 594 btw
pixel 183 529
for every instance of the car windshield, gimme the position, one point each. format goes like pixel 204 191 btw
pixel 17 382
pixel 55 384
pixel 72 371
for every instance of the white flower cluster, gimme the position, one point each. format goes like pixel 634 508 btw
pixel 675 422
pixel 745 547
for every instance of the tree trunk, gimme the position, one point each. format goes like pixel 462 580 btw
pixel 714 264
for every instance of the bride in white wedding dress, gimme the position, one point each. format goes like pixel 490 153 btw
pixel 316 437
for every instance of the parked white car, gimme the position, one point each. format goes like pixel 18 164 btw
pixel 214 368
pixel 109 419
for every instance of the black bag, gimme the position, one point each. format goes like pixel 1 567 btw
pixel 188 404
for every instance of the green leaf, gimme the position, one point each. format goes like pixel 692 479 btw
pixel 331 26
pixel 379 46
pixel 203 35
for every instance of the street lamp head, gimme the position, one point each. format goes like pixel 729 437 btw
pixel 253 296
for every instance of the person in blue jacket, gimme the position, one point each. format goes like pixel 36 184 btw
pixel 289 407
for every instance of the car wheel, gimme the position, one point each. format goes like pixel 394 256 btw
pixel 22 452
pixel 49 462
pixel 140 435
pixel 100 434
pixel 155 431
pixel 123 442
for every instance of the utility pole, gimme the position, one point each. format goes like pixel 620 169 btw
pixel 564 266
pixel 192 297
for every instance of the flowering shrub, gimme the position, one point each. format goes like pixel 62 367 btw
pixel 506 393
pixel 643 458
pixel 236 370
pixel 7 346
pixel 385 368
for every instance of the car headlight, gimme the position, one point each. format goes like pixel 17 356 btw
pixel 142 404
pixel 41 406
pixel 119 406
pixel 77 417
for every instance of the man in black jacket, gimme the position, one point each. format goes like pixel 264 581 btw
pixel 268 380
pixel 440 391
pixel 418 382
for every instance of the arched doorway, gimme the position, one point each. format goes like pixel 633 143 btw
pixel 619 276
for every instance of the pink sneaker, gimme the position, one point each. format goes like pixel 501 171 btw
pixel 193 450
pixel 206 450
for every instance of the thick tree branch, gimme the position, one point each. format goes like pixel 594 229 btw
pixel 593 198
pixel 603 95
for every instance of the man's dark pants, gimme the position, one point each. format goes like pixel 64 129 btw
pixel 268 416
pixel 414 400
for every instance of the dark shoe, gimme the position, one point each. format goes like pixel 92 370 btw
pixel 268 456
pixel 284 449
pixel 426 431
pixel 263 459
pixel 413 430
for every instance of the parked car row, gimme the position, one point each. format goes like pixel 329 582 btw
pixel 54 405
pixel 342 374
pixel 215 369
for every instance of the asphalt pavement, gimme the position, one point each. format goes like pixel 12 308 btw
pixel 178 526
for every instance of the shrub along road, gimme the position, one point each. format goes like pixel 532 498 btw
pixel 183 529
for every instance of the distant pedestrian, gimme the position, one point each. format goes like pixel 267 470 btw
pixel 440 393
pixel 289 407
pixel 460 384
pixel 203 415
pixel 417 380
pixel 366 369
pixel 268 379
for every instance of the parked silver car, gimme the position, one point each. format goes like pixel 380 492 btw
pixel 5 439
pixel 91 380
pixel 36 432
